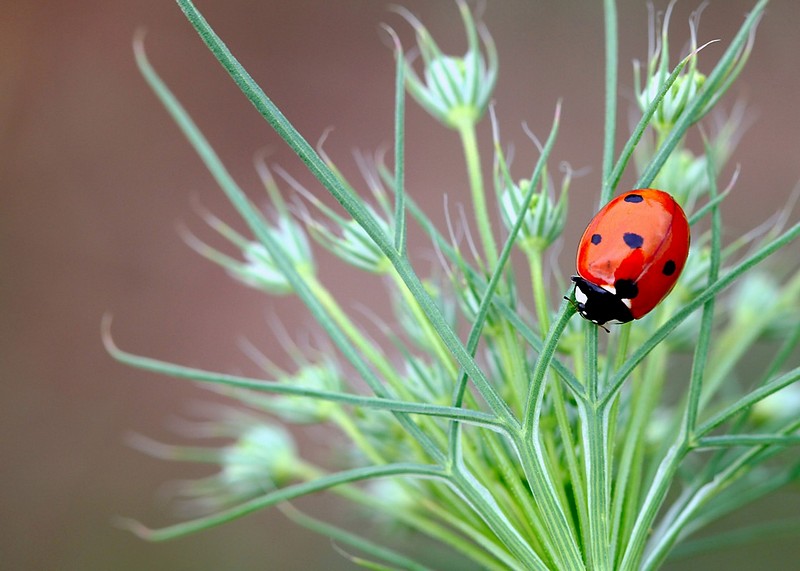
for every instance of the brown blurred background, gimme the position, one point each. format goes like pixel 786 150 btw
pixel 94 178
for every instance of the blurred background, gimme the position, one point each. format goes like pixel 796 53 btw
pixel 94 179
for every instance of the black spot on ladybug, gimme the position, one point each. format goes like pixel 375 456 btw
pixel 669 268
pixel 633 240
pixel 596 239
pixel 626 289
pixel 633 198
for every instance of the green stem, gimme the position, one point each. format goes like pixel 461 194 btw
pixel 594 423
pixel 283 495
pixel 665 538
pixel 521 496
pixel 434 341
pixel 514 365
pixel 539 290
pixel 573 463
pixel 564 549
pixel 339 535
pixel 707 320
pixel 481 546
pixel 653 501
pixel 399 153
pixel 466 130
pixel 629 468
pixel 484 504
pixel 376 403
pixel 345 422
pixel 610 12
pixel 373 355
pixel 728 440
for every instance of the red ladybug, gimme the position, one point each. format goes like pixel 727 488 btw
pixel 630 256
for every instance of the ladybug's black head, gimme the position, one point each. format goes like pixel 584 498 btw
pixel 598 304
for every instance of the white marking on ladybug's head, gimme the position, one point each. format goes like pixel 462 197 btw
pixel 609 288
pixel 613 291
pixel 580 297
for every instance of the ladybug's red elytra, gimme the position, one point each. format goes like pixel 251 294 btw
pixel 630 256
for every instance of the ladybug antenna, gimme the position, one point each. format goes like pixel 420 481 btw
pixel 574 304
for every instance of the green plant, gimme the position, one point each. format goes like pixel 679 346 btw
pixel 530 445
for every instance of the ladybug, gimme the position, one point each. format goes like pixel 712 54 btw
pixel 630 256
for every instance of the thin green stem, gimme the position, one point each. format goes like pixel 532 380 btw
pixel 477 541
pixel 521 499
pixel 748 400
pixel 539 290
pixel 629 467
pixel 283 495
pixel 730 440
pixel 466 130
pixel 488 295
pixel 399 154
pixel 576 480
pixel 767 531
pixel 377 403
pixel 666 536
pixel 537 386
pixel 374 355
pixel 347 425
pixel 611 183
pixel 594 424
pixel 434 341
pixel 515 366
pixel 652 503
pixel 362 544
pixel 610 19
pixel 707 319
pixel 473 543
pixel 484 504
pixel 565 548
pixel 559 541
